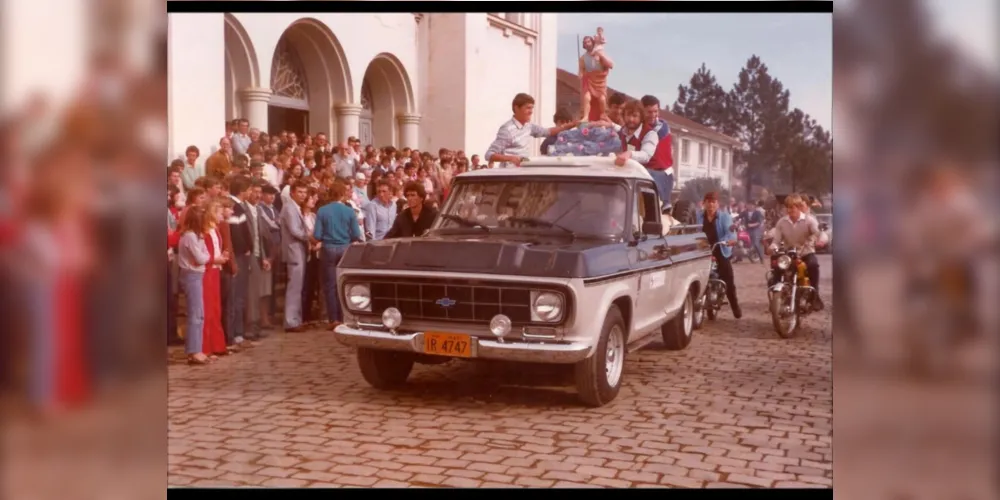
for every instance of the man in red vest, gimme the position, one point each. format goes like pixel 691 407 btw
pixel 640 142
pixel 662 162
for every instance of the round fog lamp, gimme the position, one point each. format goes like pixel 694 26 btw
pixel 500 325
pixel 392 318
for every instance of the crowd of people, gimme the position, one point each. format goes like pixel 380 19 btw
pixel 265 213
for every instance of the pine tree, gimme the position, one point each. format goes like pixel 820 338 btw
pixel 703 100
pixel 758 117
pixel 808 158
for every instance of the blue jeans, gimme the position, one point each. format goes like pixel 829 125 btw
pixel 756 235
pixel 193 284
pixel 234 299
pixel 664 185
pixel 331 257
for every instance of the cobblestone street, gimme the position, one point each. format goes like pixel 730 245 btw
pixel 738 407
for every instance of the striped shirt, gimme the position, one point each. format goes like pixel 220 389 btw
pixel 514 138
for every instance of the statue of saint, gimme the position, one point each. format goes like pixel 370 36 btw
pixel 594 68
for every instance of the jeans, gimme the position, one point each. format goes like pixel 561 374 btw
pixel 193 283
pixel 756 235
pixel 234 299
pixel 725 269
pixel 331 258
pixel 664 185
pixel 293 294
pixel 171 306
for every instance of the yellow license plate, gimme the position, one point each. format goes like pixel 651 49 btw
pixel 448 344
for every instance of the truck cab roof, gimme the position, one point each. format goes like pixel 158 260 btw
pixel 567 166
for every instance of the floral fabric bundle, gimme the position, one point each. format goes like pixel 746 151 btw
pixel 586 141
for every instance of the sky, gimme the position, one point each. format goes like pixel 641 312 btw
pixel 797 48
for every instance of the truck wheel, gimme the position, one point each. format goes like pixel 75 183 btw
pixel 384 369
pixel 599 377
pixel 677 332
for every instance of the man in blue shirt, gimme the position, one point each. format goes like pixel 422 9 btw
pixel 718 226
pixel 336 227
pixel 380 213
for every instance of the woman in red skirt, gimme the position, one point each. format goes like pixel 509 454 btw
pixel 214 340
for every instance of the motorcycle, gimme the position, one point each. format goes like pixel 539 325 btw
pixel 744 247
pixel 941 315
pixel 714 296
pixel 790 295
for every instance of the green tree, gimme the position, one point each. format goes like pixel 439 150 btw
pixel 758 117
pixel 703 100
pixel 695 189
pixel 808 157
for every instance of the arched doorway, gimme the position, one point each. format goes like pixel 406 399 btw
pixel 288 109
pixel 391 95
pixel 241 69
pixel 309 76
pixel 365 134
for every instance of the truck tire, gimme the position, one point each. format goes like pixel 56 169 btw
pixel 599 377
pixel 677 332
pixel 384 369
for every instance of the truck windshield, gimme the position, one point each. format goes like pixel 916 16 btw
pixel 566 206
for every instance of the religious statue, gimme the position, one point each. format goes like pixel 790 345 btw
pixel 594 68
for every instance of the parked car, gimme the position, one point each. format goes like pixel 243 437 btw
pixel 564 260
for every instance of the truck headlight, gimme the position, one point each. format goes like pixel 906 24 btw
pixel 784 261
pixel 359 297
pixel 546 306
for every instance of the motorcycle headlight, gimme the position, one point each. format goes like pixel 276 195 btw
pixel 546 306
pixel 784 261
pixel 359 297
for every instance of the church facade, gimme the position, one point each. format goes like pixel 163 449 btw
pixel 414 80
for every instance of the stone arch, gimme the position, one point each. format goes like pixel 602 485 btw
pixel 391 96
pixel 327 74
pixel 241 67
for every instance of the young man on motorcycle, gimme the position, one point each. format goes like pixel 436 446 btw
pixel 718 226
pixel 799 231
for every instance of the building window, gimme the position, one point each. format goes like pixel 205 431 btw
pixel 685 151
pixel 725 158
pixel 514 17
pixel 715 157
pixel 701 154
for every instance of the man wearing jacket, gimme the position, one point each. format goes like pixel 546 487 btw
pixel 235 299
pixel 718 226
pixel 661 165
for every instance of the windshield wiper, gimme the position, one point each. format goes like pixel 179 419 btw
pixel 462 221
pixel 535 221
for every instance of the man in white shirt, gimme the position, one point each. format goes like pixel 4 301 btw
pixel 241 137
pixel 513 140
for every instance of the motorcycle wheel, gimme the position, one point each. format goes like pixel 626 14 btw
pixel 777 302
pixel 753 256
pixel 698 317
pixel 712 309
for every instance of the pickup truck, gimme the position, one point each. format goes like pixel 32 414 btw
pixel 564 260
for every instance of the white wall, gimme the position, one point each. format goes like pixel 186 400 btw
pixel 691 168
pixel 196 82
pixel 443 90
pixel 44 44
pixel 458 67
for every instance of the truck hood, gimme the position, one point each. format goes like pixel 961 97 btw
pixel 522 255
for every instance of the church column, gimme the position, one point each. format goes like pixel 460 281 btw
pixel 348 120
pixel 255 106
pixel 409 131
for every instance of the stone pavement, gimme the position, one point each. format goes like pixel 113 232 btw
pixel 739 408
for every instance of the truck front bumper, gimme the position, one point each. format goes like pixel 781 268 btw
pixel 509 350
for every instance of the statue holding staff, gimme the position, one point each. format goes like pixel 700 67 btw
pixel 594 68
